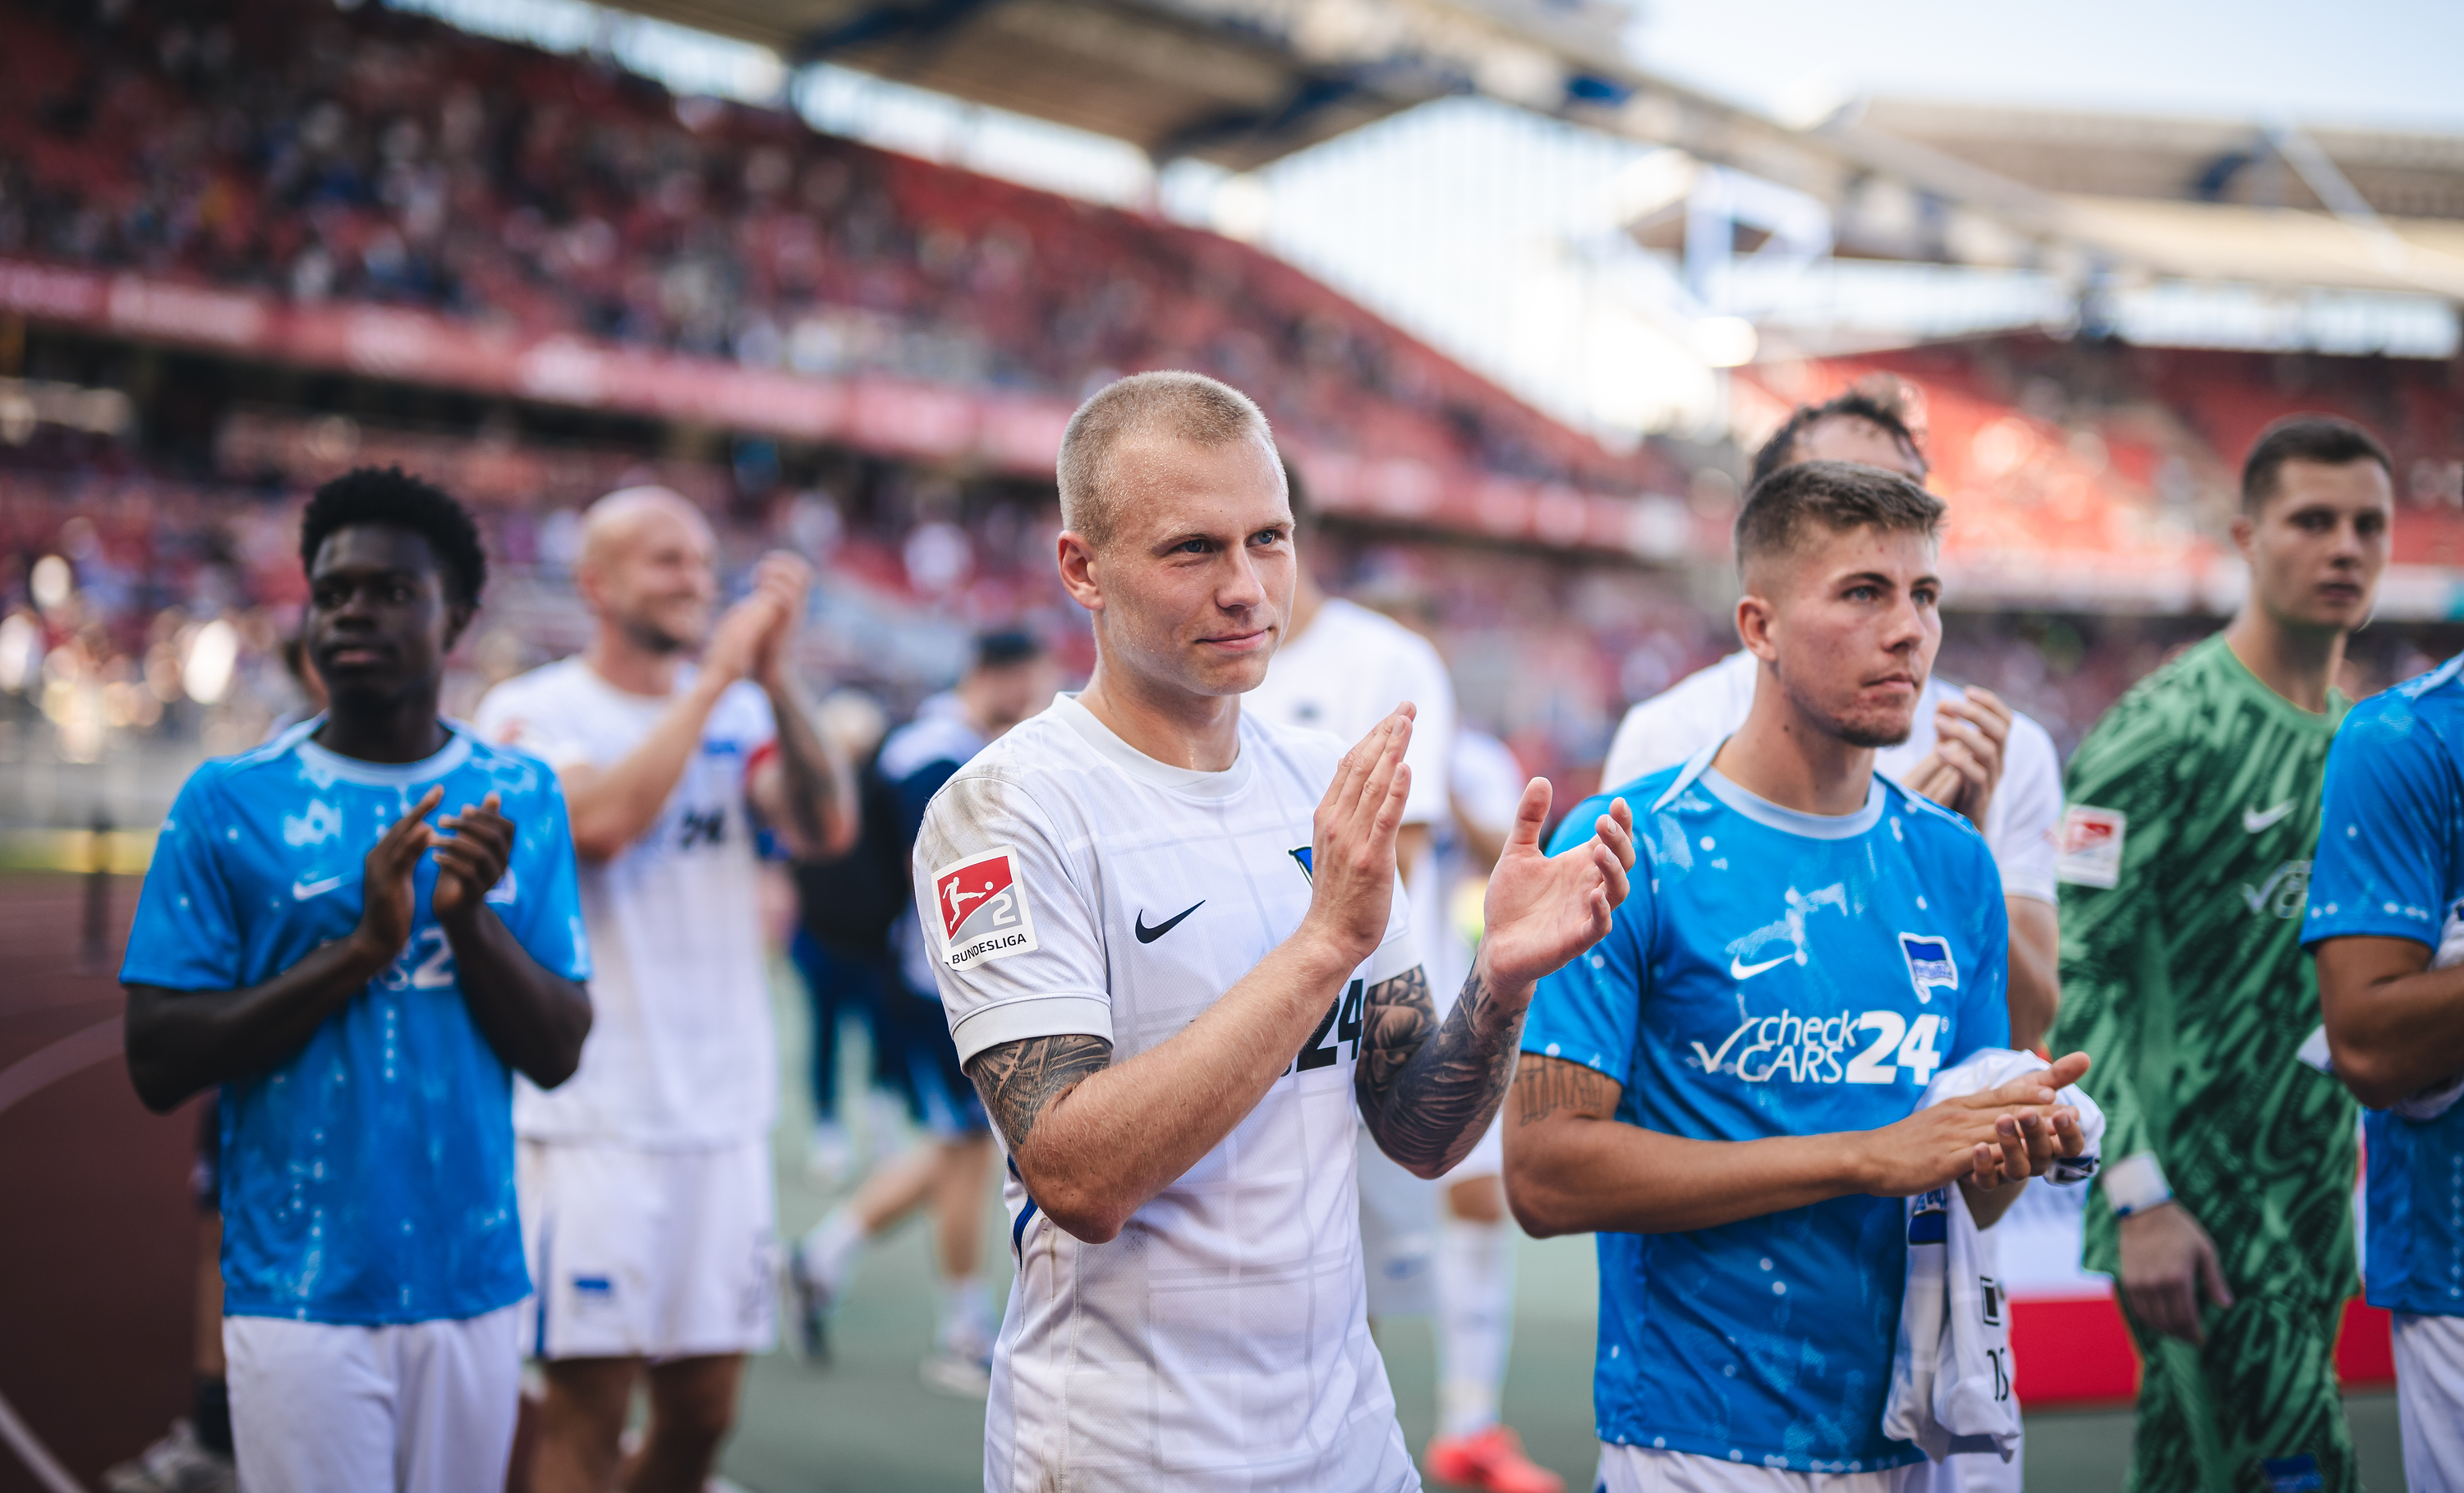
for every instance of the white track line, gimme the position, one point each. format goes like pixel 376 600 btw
pixel 20 1081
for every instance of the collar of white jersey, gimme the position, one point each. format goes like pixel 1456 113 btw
pixel 1146 769
pixel 380 775
pixel 1763 811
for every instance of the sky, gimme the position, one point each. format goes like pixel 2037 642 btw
pixel 2386 62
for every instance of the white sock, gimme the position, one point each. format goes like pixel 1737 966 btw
pixel 966 1315
pixel 1475 1286
pixel 831 1248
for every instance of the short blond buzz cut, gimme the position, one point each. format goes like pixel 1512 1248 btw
pixel 1186 406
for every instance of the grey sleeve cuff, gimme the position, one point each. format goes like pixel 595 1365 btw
pixel 1061 1014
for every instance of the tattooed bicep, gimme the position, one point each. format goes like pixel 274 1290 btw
pixel 1543 1086
pixel 1018 1079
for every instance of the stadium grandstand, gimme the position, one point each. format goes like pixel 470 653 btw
pixel 249 245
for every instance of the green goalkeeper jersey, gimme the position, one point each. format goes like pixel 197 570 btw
pixel 2186 864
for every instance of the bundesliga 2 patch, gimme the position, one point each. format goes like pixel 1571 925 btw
pixel 2090 847
pixel 1929 964
pixel 983 907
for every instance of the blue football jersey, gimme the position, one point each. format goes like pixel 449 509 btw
pixel 2390 865
pixel 370 1179
pixel 1773 973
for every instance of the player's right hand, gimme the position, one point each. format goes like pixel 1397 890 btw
pixel 1351 839
pixel 388 897
pixel 2167 1264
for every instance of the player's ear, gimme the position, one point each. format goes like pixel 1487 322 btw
pixel 457 617
pixel 1755 615
pixel 1076 559
pixel 2245 533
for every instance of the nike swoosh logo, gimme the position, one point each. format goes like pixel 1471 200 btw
pixel 2252 820
pixel 302 890
pixel 1743 971
pixel 1146 934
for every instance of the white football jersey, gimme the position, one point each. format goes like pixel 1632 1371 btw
pixel 680 1051
pixel 1710 704
pixel 1345 672
pixel 1072 884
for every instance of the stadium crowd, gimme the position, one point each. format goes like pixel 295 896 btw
pixel 364 154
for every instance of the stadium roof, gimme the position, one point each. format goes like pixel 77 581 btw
pixel 1239 82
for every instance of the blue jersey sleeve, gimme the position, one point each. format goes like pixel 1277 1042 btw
pixel 544 912
pixel 185 935
pixel 2386 830
pixel 1591 1011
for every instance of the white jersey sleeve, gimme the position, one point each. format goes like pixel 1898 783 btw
pixel 1690 714
pixel 2027 807
pixel 1016 939
pixel 1422 678
pixel 522 713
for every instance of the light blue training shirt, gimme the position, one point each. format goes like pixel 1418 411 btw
pixel 368 1178
pixel 1773 973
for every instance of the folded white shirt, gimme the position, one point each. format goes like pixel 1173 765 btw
pixel 1951 1367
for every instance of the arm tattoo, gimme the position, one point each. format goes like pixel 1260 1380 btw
pixel 1429 1089
pixel 1018 1079
pixel 1544 1086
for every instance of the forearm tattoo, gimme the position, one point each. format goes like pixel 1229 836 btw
pixel 1544 1086
pixel 1429 1089
pixel 1016 1080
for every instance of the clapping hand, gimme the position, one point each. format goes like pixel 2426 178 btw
pixel 1544 910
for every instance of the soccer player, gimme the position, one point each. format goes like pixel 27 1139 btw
pixel 2226 1213
pixel 1010 679
pixel 646 1182
pixel 2387 929
pixel 360 978
pixel 1964 750
pixel 1727 1087
pixel 1175 967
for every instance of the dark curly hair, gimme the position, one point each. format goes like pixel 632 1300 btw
pixel 391 495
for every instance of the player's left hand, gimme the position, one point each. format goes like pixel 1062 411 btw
pixel 2026 1142
pixel 470 860
pixel 1544 910
pixel 787 580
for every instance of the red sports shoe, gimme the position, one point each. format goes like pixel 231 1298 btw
pixel 1492 1459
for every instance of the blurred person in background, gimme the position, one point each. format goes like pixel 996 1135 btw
pixel 362 982
pixel 2385 927
pixel 846 906
pixel 1010 679
pixel 2227 1211
pixel 1340 668
pixel 645 1183
pixel 1471 1265
pixel 1967 750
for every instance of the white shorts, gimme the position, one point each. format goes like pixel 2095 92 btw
pixel 1645 1469
pixel 2430 1400
pixel 648 1254
pixel 428 1407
